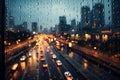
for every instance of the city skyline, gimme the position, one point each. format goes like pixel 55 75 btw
pixel 46 12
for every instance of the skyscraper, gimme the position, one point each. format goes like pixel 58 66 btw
pixel 11 25
pixel 24 25
pixel 73 23
pixel 62 20
pixel 11 22
pixel 34 27
pixel 85 19
pixel 108 12
pixel 41 29
pixel 98 15
pixel 62 24
pixel 116 13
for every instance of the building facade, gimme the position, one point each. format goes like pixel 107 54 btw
pixel 98 15
pixel 34 27
pixel 85 19
pixel 73 23
pixel 115 13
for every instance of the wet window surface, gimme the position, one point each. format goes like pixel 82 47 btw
pixel 37 33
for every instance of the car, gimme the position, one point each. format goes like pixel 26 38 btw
pixel 23 58
pixel 45 65
pixel 68 75
pixel 14 67
pixel 54 56
pixel 59 63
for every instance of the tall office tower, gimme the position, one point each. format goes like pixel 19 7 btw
pixel 98 15
pixel 34 27
pixel 11 22
pixel 41 28
pixel 107 12
pixel 73 23
pixel 62 20
pixel 115 13
pixel 24 26
pixel 62 24
pixel 85 19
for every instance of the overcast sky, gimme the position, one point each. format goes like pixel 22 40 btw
pixel 45 12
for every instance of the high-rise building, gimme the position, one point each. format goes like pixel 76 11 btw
pixel 18 28
pixel 11 22
pixel 56 29
pixel 98 16
pixel 73 23
pixel 41 29
pixel 51 29
pixel 85 19
pixel 11 25
pixel 34 27
pixel 107 12
pixel 116 13
pixel 62 24
pixel 62 20
pixel 24 26
pixel 21 27
pixel 45 30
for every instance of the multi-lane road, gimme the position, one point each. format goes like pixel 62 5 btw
pixel 32 68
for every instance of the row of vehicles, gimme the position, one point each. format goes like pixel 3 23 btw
pixel 42 59
pixel 23 58
pixel 58 62
pixel 67 74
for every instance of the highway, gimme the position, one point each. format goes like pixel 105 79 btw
pixel 80 67
pixel 101 72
